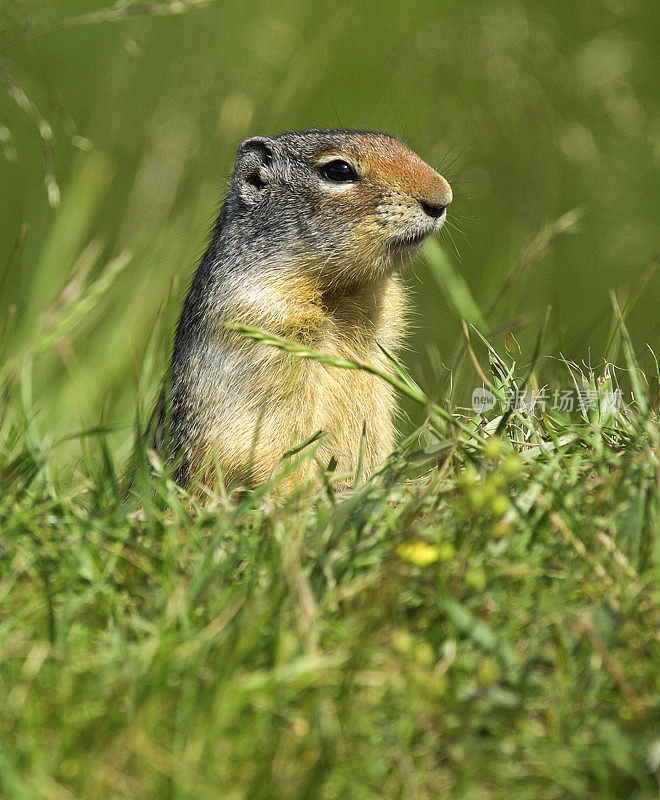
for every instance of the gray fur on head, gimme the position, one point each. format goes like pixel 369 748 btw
pixel 273 206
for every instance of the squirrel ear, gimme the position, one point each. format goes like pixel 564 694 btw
pixel 252 174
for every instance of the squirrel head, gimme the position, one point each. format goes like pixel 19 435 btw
pixel 349 205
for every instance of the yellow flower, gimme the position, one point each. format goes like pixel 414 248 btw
pixel 419 553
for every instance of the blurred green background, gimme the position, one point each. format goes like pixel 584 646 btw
pixel 530 109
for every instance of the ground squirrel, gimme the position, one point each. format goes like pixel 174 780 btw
pixel 307 246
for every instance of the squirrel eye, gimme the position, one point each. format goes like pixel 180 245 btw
pixel 338 171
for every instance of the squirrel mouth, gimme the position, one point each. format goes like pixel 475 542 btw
pixel 408 242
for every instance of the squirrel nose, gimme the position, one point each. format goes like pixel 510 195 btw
pixel 436 201
pixel 432 210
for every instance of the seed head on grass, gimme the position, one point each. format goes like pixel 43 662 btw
pixel 419 553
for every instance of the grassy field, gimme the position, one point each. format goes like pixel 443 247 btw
pixel 479 620
pixel 530 112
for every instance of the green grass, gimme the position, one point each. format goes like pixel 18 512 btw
pixel 142 110
pixel 478 620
